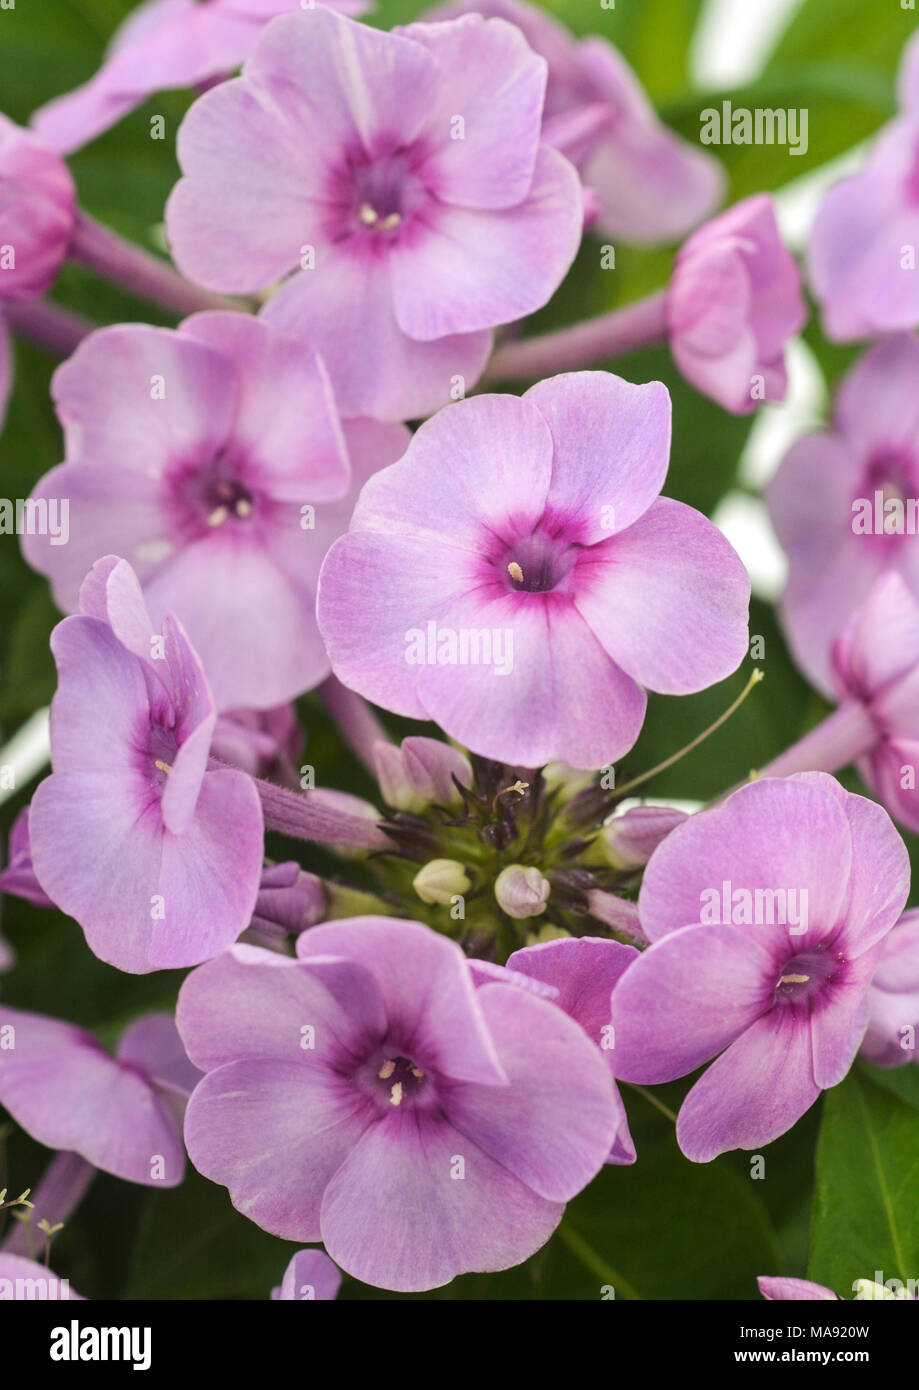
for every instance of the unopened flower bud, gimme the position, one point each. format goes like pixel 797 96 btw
pixel 420 772
pixel 265 743
pixel 522 892
pixel 546 933
pixel 289 898
pixel 734 301
pixel 18 878
pixel 440 881
pixel 566 779
pixel 629 840
pixel 38 212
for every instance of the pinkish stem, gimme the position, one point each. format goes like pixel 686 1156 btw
pixel 52 327
pixel 838 740
pixel 148 276
pixel 581 345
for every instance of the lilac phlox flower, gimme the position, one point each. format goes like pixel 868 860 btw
pixel 37 211
pixel 213 458
pixel 561 587
pixel 649 185
pixel 862 250
pixel 401 176
pixel 893 999
pixel 121 1114
pixel 734 301
pixel 845 502
pixel 369 1096
pixel 777 994
pixel 157 857
pixel 162 44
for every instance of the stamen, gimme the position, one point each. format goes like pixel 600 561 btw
pixel 218 516
pixel 394 219
pixel 515 572
pixel 368 215
pixel 794 979
pixel 243 507
pixel 386 1070
pixel 395 1095
pixel 417 1073
pixel 163 767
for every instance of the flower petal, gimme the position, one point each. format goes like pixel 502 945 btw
pixel 753 1092
pixel 777 833
pixel 344 308
pixel 427 991
pixel 490 77
pixel 274 1133
pixel 610 448
pixel 137 397
pixel 554 1125
pixel 203 882
pixel 482 464
pixel 394 1216
pixel 462 270
pixel 68 1093
pixel 310 1275
pixel 280 387
pixel 251 1003
pixel 685 998
pixel 667 599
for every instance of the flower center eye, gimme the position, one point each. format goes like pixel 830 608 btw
pixel 369 216
pixel 159 755
pixel 400 1079
pixel 892 473
pixel 229 499
pixel 538 563
pixel 208 492
pixel 380 194
pixel 807 975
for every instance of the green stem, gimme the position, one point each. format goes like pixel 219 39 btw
pixel 756 677
pixel 651 1098
pixel 343 901
pixel 596 1263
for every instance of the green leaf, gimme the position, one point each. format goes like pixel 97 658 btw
pixel 27 679
pixel 846 103
pixel 866 1215
pixel 666 1228
pixel 824 30
pixel 654 36
pixel 191 1243
pixel 900 1081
